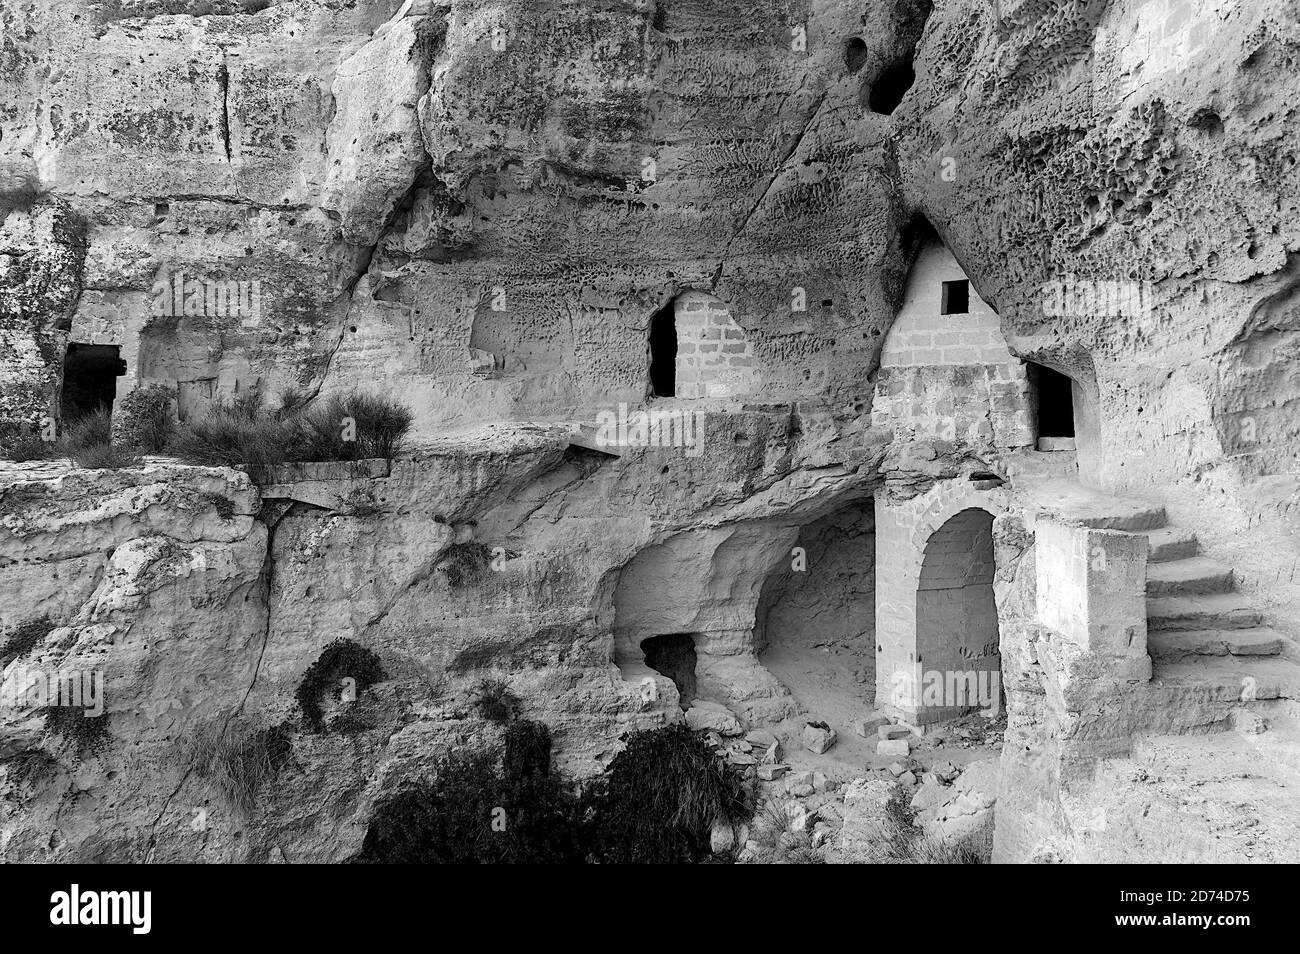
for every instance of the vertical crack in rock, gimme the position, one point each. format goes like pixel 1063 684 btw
pixel 223 81
pixel 268 591
pixel 767 188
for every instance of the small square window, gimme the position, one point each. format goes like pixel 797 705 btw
pixel 956 297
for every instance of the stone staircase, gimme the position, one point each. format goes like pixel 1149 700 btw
pixel 1205 636
pixel 1210 650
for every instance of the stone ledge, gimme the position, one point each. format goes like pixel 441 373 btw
pixel 279 474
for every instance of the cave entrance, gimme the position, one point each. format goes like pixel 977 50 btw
pixel 673 655
pixel 814 627
pixel 90 374
pixel 1052 395
pixel 890 87
pixel 957 640
pixel 663 351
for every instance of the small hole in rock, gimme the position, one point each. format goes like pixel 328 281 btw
pixel 855 54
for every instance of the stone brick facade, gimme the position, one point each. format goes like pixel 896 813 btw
pixel 950 377
pixel 714 356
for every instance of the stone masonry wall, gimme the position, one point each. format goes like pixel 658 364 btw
pixel 950 376
pixel 714 356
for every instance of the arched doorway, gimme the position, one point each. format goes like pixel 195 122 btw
pixel 957 643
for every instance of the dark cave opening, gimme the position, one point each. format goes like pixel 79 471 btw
pixel 890 87
pixel 855 54
pixel 673 655
pixel 663 352
pixel 90 374
pixel 1053 399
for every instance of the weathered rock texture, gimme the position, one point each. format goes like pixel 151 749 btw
pixel 479 206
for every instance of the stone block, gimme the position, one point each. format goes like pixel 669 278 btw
pixel 893 748
pixel 818 737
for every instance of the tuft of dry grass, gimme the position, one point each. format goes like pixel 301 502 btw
pixel 238 758
pixel 777 844
pixel 902 843
pixel 350 426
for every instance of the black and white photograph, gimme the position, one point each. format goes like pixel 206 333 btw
pixel 640 432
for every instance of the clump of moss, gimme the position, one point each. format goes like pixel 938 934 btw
pixel 31 768
pixel 223 505
pixel 360 502
pixel 341 659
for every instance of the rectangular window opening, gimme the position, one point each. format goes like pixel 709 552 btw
pixel 956 297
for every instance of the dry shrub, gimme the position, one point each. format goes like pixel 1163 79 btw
pixel 239 758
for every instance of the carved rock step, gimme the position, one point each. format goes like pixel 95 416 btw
pixel 1121 515
pixel 1227 642
pixel 1170 543
pixel 1200 612
pixel 1224 679
pixel 1188 577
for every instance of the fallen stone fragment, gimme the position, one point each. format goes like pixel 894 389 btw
pixel 818 737
pixel 945 771
pixel 891 748
pixel 868 725
pixel 712 716
pixel 800 784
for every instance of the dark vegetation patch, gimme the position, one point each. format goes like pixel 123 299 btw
pixel 480 807
pixel 70 723
pixel 31 768
pixel 88 440
pixel 660 797
pixel 19 641
pixel 341 659
pixel 360 502
pixel 223 505
pixel 351 426
pixel 238 758
pixel 22 445
pixel 144 418
pixel 656 803
pixel 465 563
pixel 494 701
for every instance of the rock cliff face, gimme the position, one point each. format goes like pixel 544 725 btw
pixel 486 208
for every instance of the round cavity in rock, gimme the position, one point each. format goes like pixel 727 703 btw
pixel 855 54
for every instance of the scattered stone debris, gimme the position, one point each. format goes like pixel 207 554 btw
pixel 868 725
pixel 703 716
